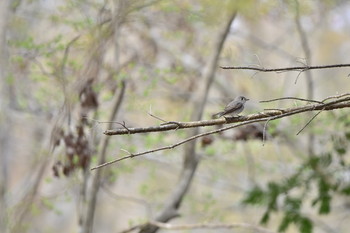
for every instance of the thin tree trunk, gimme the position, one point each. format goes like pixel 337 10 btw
pixel 5 123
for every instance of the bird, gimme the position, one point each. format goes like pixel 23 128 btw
pixel 235 107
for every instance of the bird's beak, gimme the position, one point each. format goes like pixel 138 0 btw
pixel 246 99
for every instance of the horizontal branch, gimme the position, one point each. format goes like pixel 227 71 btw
pixel 291 98
pixel 221 121
pixel 210 226
pixel 253 118
pixel 165 127
pixel 182 227
pixel 294 68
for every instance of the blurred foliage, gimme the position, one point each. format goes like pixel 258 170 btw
pixel 163 49
pixel 321 178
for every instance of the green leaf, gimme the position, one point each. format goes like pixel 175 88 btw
pixel 346 191
pixel 325 206
pixel 323 186
pixel 347 135
pixel 313 162
pixel 265 218
pixel 305 225
pixel 324 197
pixel 340 150
pixel 315 201
pixel 274 191
pixel 285 223
pixel 326 160
pixel 293 204
pixel 274 187
pixel 292 181
pixel 254 196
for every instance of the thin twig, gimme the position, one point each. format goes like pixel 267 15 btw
pixel 41 67
pixel 302 63
pixel 117 197
pixel 134 228
pixel 154 116
pixel 264 131
pixel 297 78
pixel 309 121
pixel 66 52
pixel 126 151
pixel 166 122
pixel 293 68
pixel 255 73
pixel 257 57
pixel 122 124
pixel 62 77
pixel 335 97
pixel 291 98
pixel 106 122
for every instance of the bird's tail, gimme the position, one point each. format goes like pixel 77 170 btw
pixel 217 115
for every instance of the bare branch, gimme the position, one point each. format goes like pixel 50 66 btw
pixel 133 228
pixel 154 116
pixel 41 67
pixel 264 131
pixel 88 224
pixel 129 198
pixel 309 122
pixel 335 97
pixel 168 226
pixel 291 98
pixel 209 226
pixel 66 52
pixel 265 116
pixel 193 124
pixel 274 109
pixel 166 127
pixel 293 68
pixel 123 124
pixel 297 78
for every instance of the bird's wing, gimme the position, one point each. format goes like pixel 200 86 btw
pixel 231 107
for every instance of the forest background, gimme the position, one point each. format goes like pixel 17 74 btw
pixel 72 69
